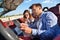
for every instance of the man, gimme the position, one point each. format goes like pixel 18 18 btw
pixel 46 24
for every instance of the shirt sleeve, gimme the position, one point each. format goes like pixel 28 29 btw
pixel 37 32
pixel 51 20
pixel 34 31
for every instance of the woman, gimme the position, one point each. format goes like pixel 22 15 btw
pixel 28 19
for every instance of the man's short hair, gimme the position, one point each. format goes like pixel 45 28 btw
pixel 37 4
pixel 58 4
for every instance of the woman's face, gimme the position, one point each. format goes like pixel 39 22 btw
pixel 27 15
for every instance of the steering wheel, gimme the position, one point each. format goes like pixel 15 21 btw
pixel 7 32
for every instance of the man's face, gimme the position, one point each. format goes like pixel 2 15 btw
pixel 36 10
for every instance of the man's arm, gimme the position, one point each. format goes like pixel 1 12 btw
pixel 51 20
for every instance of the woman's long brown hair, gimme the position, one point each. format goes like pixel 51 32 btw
pixel 28 13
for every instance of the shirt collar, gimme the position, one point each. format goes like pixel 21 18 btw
pixel 41 14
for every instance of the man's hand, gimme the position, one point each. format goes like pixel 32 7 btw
pixel 25 28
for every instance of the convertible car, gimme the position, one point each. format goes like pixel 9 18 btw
pixel 6 28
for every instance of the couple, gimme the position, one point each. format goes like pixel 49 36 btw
pixel 47 27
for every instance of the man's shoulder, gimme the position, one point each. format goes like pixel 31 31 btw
pixel 46 13
pixel 49 13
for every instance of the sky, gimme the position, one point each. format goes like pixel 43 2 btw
pixel 27 3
